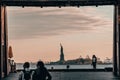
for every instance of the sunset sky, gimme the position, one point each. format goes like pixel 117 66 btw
pixel 36 33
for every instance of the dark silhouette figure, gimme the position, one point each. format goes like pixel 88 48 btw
pixel 52 68
pixel 14 67
pixel 41 73
pixel 68 66
pixel 26 73
pixel 94 61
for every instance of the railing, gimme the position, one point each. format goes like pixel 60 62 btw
pixel 107 69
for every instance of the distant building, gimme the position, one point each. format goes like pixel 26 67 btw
pixel 108 61
pixel 61 54
pixel 78 61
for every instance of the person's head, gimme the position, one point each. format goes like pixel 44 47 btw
pixel 40 64
pixel 26 65
pixel 12 60
pixel 94 56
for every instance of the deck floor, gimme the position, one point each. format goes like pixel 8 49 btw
pixel 74 76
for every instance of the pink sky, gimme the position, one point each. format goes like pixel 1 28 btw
pixel 36 33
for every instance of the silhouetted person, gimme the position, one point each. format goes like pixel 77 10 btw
pixel 41 73
pixel 68 66
pixel 52 68
pixel 14 67
pixel 26 73
pixel 94 61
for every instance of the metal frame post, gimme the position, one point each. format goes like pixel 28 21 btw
pixel 115 41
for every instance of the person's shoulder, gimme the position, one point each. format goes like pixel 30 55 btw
pixel 31 71
pixel 28 71
pixel 34 71
pixel 45 69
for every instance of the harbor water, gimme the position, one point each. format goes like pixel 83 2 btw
pixel 33 66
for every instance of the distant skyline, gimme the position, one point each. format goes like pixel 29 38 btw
pixel 35 33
